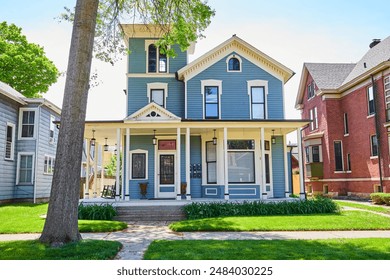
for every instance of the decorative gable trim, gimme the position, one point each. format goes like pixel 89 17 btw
pixel 240 47
pixel 152 113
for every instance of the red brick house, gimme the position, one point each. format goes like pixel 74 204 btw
pixel 346 146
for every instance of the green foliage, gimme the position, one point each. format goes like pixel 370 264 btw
pixel 111 167
pixel 260 208
pixel 381 198
pixel 23 65
pixel 182 22
pixel 97 212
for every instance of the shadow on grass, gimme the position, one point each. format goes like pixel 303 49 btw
pixel 333 249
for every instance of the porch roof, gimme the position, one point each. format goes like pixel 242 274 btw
pixel 108 129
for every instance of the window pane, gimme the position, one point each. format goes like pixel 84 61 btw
pixel 25 169
pixel 258 94
pixel 158 96
pixel 211 94
pixel 241 167
pixel 374 146
pixel 258 111
pixel 139 166
pixel 211 172
pixel 211 111
pixel 152 54
pixel 338 156
pixel 267 170
pixel 163 63
pixel 211 151
pixel 234 64
pixel 316 154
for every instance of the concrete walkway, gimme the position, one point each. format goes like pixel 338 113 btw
pixel 137 237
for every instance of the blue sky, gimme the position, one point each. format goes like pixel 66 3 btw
pixel 291 32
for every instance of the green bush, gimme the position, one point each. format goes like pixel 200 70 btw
pixel 97 212
pixel 380 198
pixel 260 208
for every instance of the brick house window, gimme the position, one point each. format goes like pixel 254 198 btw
pixel 310 90
pixel 346 128
pixel 387 96
pixel 374 146
pixel 314 118
pixel 338 155
pixel 370 101
pixel 349 162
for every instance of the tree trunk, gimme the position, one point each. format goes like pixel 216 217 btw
pixel 61 224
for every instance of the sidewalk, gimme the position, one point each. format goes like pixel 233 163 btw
pixel 137 237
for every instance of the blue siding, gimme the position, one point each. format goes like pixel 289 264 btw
pixel 216 191
pixel 138 95
pixel 9 111
pixel 244 192
pixel 235 100
pixel 278 168
pixel 196 158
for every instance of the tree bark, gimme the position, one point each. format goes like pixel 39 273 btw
pixel 61 224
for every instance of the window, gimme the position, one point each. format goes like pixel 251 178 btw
pixel 349 162
pixel 387 96
pixel 211 102
pixel 27 123
pixel 241 163
pixel 10 141
pixel 374 146
pixel 234 64
pixel 52 127
pixel 48 167
pixel 138 167
pixel 370 100
pixel 211 162
pixel 314 118
pixel 267 170
pixel 258 102
pixel 313 154
pixel 307 153
pixel 310 90
pixel 25 169
pixel 157 62
pixel 157 96
pixel 338 156
pixel 346 129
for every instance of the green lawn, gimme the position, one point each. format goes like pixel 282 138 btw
pixel 83 250
pixel 346 220
pixel 374 208
pixel 26 218
pixel 330 249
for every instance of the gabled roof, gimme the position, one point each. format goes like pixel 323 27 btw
pixel 236 44
pixel 12 93
pixel 152 113
pixel 329 75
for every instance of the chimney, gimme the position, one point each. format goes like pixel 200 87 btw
pixel 374 43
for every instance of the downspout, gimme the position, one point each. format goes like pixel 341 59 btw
pixel 377 129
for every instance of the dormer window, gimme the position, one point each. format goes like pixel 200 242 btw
pixel 157 62
pixel 233 63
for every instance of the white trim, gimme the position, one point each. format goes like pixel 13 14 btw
pixel 227 63
pixel 211 83
pixel 138 151
pixel 12 154
pixel 208 189
pixel 32 168
pixel 258 83
pixel 129 173
pixel 188 162
pixel 178 164
pixel 21 111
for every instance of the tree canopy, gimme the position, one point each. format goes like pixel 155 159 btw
pixel 24 65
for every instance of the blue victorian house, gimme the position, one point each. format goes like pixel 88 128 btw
pixel 211 128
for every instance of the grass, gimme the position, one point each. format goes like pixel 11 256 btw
pixel 82 250
pixel 379 209
pixel 346 220
pixel 27 218
pixel 329 249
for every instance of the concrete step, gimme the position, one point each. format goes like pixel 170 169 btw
pixel 150 213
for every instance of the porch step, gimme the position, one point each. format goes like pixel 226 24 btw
pixel 149 213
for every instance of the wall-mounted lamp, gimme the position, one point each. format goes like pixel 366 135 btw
pixel 106 146
pixel 214 139
pixel 93 140
pixel 116 150
pixel 154 137
pixel 273 139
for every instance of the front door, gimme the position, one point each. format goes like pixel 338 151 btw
pixel 166 176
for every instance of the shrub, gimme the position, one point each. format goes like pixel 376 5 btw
pixel 96 212
pixel 380 198
pixel 260 208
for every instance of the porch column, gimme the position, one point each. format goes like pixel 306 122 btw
pixel 286 170
pixel 188 162
pixel 102 170
pixel 263 179
pixel 127 173
pixel 178 171
pixel 225 150
pixel 95 167
pixel 302 194
pixel 118 163
pixel 87 167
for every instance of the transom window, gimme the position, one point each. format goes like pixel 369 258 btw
pixel 157 62
pixel 211 102
pixel 234 64
pixel 241 161
pixel 258 102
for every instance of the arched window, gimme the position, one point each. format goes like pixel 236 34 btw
pixel 152 61
pixel 234 64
